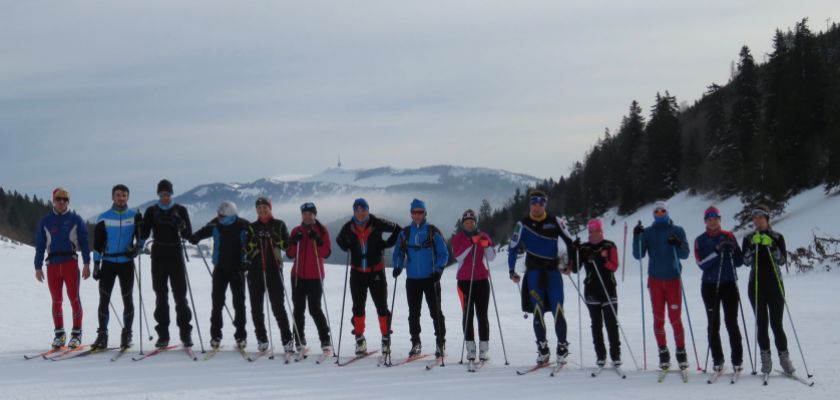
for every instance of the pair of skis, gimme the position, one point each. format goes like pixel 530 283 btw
pixel 807 382
pixel 601 369
pixel 663 373
pixel 383 361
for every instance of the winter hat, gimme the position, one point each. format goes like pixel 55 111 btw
pixel 165 186
pixel 469 214
pixel 661 204
pixel 60 192
pixel 761 211
pixel 418 204
pixel 595 225
pixel 360 202
pixel 227 209
pixel 263 201
pixel 711 212
pixel 308 207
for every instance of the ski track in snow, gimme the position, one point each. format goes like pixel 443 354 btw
pixel 28 330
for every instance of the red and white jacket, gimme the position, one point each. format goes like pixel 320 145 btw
pixel 466 246
pixel 308 266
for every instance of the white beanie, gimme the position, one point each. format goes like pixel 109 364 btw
pixel 227 209
pixel 660 204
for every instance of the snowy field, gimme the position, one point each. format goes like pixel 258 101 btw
pixel 28 329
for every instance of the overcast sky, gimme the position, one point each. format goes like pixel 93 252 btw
pixel 95 93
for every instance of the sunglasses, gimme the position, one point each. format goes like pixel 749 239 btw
pixel 537 201
pixel 418 212
pixel 712 216
pixel 759 213
pixel 62 199
pixel 164 194
pixel 660 211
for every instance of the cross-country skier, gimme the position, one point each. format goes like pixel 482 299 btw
pixel 602 254
pixel 61 234
pixel 230 234
pixel 665 244
pixel 423 254
pixel 538 235
pixel 309 245
pixel 764 252
pixel 268 237
pixel 471 246
pixel 362 238
pixel 115 244
pixel 170 225
pixel 718 254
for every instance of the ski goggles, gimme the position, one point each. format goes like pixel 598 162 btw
pixel 660 211
pixel 164 194
pixel 711 215
pixel 759 213
pixel 537 201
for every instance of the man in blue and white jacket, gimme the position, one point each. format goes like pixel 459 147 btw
pixel 115 244
pixel 424 255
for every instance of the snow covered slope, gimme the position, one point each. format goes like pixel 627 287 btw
pixel 27 328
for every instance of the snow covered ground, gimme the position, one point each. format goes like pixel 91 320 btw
pixel 27 329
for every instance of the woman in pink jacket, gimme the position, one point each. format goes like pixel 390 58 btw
pixel 471 248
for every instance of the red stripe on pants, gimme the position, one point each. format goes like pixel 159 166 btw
pixel 666 293
pixel 58 276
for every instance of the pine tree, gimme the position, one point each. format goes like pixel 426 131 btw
pixel 746 117
pixel 633 160
pixel 664 148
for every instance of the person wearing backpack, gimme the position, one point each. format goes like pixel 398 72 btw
pixel 423 254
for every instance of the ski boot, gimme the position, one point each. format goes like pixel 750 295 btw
pixel 326 347
pixel 416 348
pixel 125 339
pixel 241 344
pixel 786 363
pixel 483 350
pixel 682 358
pixel 215 343
pixel 262 346
pixel 440 349
pixel 470 350
pixel 186 341
pixel 60 339
pixel 601 363
pixel 101 341
pixel 664 358
pixel 75 339
pixel 766 362
pixel 562 353
pixel 162 343
pixel 289 348
pixel 386 346
pixel 543 353
pixel 361 345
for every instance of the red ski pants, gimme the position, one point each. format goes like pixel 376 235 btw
pixel 58 276
pixel 666 293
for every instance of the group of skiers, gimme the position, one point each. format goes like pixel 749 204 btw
pixel 252 254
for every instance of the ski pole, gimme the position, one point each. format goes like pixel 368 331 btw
pixel 343 301
pixel 387 359
pixel 642 297
pixel 439 311
pixel 209 272
pixel 741 306
pixel 189 288
pixel 279 263
pixel 580 312
pixel 323 291
pixel 790 316
pixel 687 313
pixel 755 312
pixel 615 313
pixel 496 308
pixel 143 313
pixel 468 310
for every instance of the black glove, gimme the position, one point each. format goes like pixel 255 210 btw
pixel 673 240
pixel 97 270
pixel 316 237
pixel 436 275
pixel 297 237
pixel 638 230
pixel 396 272
pixel 577 242
pixel 131 252
pixel 585 253
pixel 725 246
pixel 514 276
pixel 193 240
pixel 404 246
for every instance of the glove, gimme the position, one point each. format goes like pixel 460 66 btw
pixel 436 275
pixel 316 237
pixel 514 276
pixel 756 238
pixel 404 246
pixel 577 242
pixel 193 240
pixel 638 230
pixel 673 240
pixel 298 236
pixel 476 239
pixel 725 246
pixel 766 240
pixel 396 272
pixel 484 243
pixel 97 271
pixel 585 252
pixel 131 252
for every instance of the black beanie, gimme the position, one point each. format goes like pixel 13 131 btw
pixel 165 186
